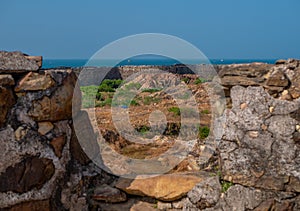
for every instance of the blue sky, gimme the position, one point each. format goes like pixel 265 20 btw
pixel 221 29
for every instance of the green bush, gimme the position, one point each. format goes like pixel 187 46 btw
pixel 204 132
pixel 175 110
pixel 134 103
pixel 108 85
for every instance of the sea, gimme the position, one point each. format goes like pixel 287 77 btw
pixel 54 63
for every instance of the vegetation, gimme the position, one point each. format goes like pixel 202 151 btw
pixel 153 90
pixel 225 185
pixel 175 110
pixel 200 80
pixel 148 100
pixel 134 103
pixel 143 129
pixel 204 132
pixel 185 80
pixel 205 111
pixel 108 85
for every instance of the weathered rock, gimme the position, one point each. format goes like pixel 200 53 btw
pixel 240 198
pixel 164 205
pixel 35 82
pixel 245 145
pixel 277 78
pixel 43 205
pixel 6 80
pixel 20 133
pixel 168 187
pixel 295 81
pixel 243 74
pixel 108 194
pixel 206 193
pixel 58 145
pixel 145 206
pixel 7 100
pixel 31 173
pixel 280 61
pixel 17 62
pixel 45 127
pixel 59 105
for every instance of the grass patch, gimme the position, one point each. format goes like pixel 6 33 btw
pixel 226 185
pixel 132 86
pixel 106 102
pixel 203 132
pixel 148 100
pixel 175 110
pixel 143 129
pixel 152 90
pixel 200 80
pixel 205 111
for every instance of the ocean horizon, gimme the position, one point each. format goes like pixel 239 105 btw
pixel 54 63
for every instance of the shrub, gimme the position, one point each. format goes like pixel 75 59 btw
pixel 108 85
pixel 204 132
pixel 134 103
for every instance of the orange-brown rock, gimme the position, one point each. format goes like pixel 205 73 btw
pixel 43 205
pixel 58 145
pixel 44 127
pixel 35 82
pixel 59 105
pixel 30 173
pixel 168 187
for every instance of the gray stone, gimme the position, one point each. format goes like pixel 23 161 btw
pixel 16 62
pixel 206 193
pixel 258 148
pixel 6 80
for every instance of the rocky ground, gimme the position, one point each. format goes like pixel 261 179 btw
pixel 254 163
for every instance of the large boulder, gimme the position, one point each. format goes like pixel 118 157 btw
pixel 258 148
pixel 168 187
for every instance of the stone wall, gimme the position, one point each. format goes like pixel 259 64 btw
pixel 35 130
pixel 44 168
